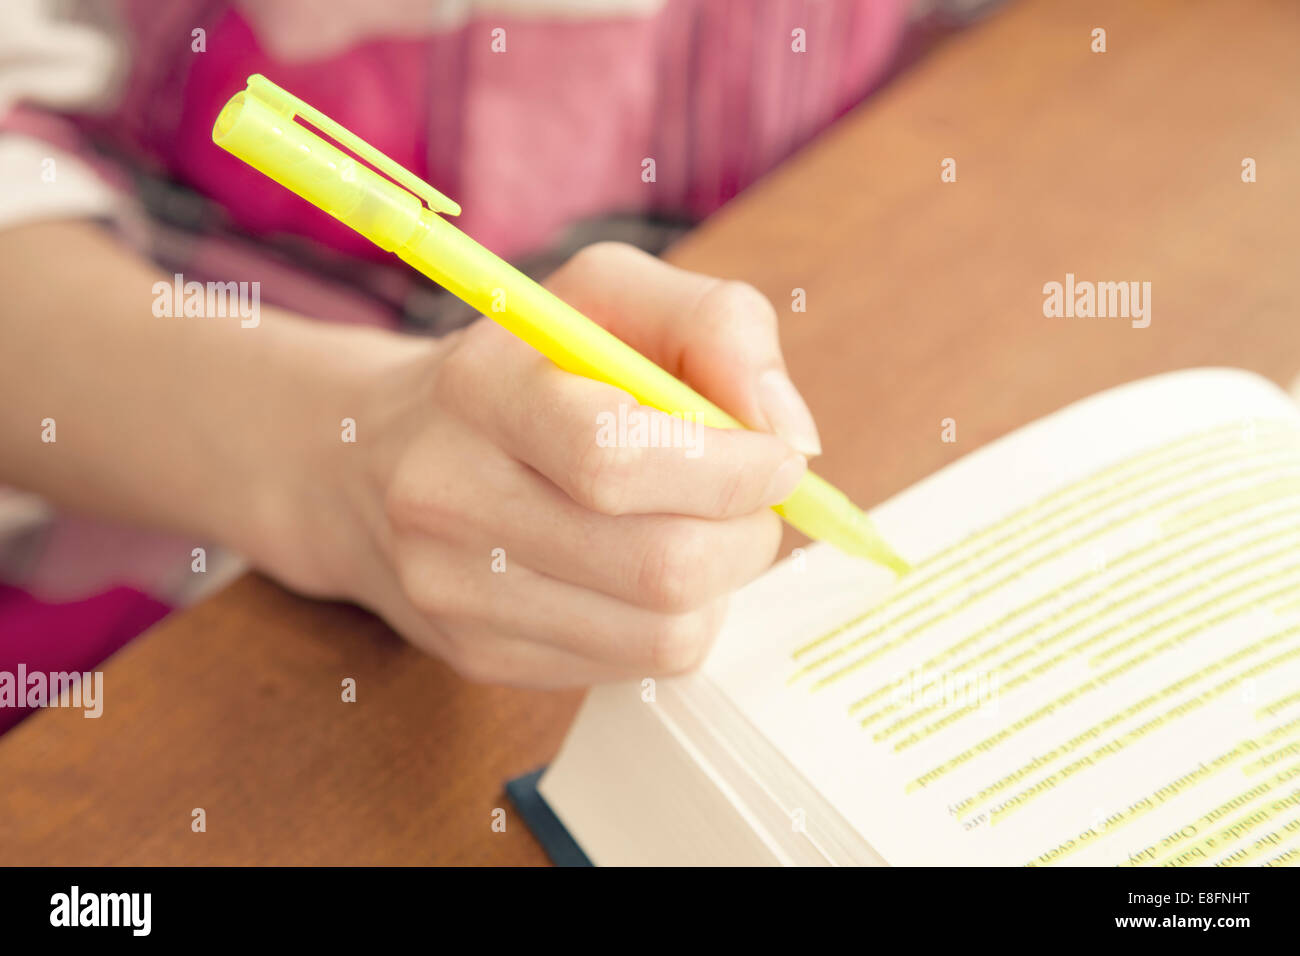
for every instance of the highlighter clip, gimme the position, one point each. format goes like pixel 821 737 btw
pixel 287 105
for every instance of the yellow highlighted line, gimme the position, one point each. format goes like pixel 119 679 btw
pixel 1142 466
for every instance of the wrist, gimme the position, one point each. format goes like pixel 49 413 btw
pixel 317 520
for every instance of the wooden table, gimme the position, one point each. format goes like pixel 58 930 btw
pixel 924 302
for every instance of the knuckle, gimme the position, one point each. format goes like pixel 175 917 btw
pixel 597 257
pixel 458 380
pixel 449 380
pixel 671 575
pixel 602 475
pixel 399 507
pixel 470 663
pixel 730 302
pixel 428 582
pixel 402 505
pixel 680 642
pixel 411 504
pixel 423 592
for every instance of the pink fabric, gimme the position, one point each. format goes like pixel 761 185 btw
pixel 76 636
pixel 527 141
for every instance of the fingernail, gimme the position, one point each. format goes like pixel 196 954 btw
pixel 787 415
pixel 785 479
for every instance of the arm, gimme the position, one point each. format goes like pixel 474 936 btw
pixel 193 425
pixel 617 558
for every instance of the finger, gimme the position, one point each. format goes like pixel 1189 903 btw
pixel 516 602
pixel 619 458
pixel 479 654
pixel 718 336
pixel 484 657
pixel 659 562
pixel 611 455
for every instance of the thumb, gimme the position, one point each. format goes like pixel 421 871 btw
pixel 718 336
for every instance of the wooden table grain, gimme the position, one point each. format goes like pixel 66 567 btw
pixel 924 302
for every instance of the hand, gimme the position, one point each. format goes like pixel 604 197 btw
pixel 510 541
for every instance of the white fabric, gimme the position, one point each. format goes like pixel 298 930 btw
pixel 49 59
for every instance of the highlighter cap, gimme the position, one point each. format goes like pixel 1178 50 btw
pixel 260 125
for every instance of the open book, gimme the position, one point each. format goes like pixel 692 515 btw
pixel 1096 661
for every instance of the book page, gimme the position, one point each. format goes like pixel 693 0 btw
pixel 1096 660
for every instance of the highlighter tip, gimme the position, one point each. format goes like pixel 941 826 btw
pixel 864 541
pixel 882 554
pixel 895 562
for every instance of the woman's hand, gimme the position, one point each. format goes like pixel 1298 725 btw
pixel 515 533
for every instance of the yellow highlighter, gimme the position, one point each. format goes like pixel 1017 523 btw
pixel 264 126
